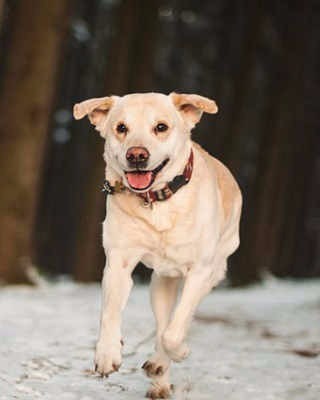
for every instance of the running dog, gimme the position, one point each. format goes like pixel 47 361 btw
pixel 173 207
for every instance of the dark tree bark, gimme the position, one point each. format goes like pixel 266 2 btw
pixel 243 79
pixel 267 243
pixel 302 195
pixel 27 93
pixel 2 4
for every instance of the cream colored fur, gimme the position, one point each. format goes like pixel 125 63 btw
pixel 185 239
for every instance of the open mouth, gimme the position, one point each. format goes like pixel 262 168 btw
pixel 142 180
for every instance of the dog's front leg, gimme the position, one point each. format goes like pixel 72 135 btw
pixel 116 287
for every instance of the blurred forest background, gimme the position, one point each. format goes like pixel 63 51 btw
pixel 259 60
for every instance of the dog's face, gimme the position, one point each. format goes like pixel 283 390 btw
pixel 145 133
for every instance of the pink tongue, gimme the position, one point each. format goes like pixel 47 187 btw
pixel 139 181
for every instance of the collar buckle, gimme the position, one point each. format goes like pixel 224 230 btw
pixel 107 188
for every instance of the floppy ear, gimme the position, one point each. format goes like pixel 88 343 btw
pixel 191 106
pixel 96 109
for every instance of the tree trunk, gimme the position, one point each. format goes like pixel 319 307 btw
pixel 266 243
pixel 1 12
pixel 27 94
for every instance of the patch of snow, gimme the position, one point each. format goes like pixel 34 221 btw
pixel 258 343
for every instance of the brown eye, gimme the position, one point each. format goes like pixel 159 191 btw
pixel 161 127
pixel 122 128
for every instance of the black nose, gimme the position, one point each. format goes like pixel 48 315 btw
pixel 137 156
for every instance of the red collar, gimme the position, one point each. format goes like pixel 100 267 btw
pixel 165 193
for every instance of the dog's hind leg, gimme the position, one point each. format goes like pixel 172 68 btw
pixel 163 298
pixel 196 286
pixel 198 283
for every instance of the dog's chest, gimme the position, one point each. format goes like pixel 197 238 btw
pixel 170 260
pixel 171 251
pixel 160 218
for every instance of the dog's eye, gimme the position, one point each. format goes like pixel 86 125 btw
pixel 161 127
pixel 122 128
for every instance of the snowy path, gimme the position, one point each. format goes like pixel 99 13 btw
pixel 261 343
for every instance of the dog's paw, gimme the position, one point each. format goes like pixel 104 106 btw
pixel 156 366
pixel 175 347
pixel 107 358
pixel 159 392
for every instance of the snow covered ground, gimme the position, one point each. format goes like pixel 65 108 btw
pixel 261 343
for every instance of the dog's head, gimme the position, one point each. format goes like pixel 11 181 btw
pixel 145 133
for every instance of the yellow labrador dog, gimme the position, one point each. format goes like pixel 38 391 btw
pixel 171 206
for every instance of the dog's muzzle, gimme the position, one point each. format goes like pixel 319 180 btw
pixel 140 180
